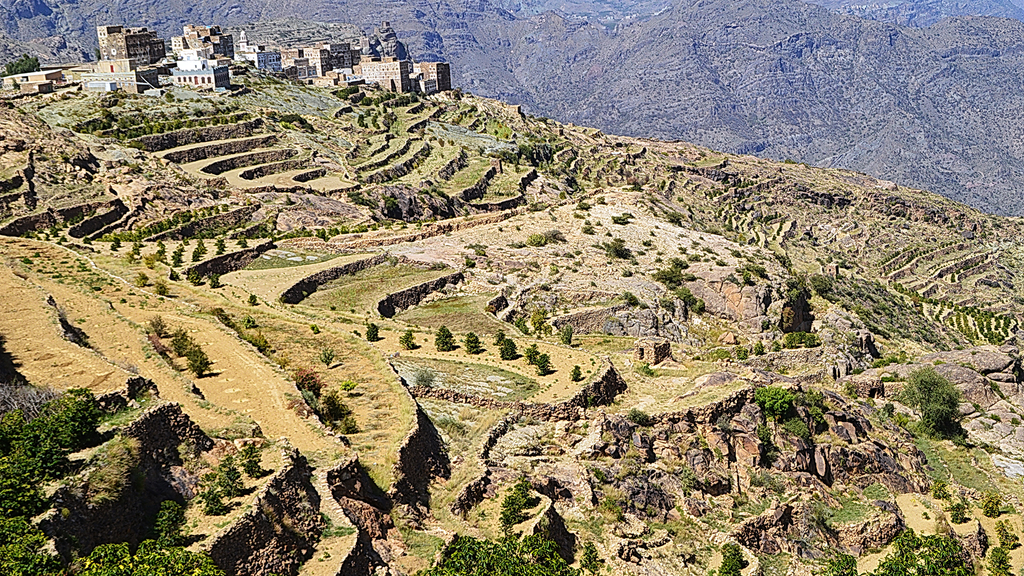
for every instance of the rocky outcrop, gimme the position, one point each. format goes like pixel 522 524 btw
pixel 300 290
pixel 187 136
pixel 220 149
pixel 551 525
pixel 229 262
pixel 588 321
pixel 747 305
pixel 875 532
pixel 223 220
pixel 404 299
pixel 279 532
pixel 766 534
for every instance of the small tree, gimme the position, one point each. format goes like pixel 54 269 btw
pixel 531 353
pixel 443 340
pixel 220 246
pixel 372 332
pixel 169 524
pixel 408 340
pixel 774 401
pixel 732 561
pixel 999 562
pixel 957 513
pixel 507 349
pixel 543 364
pixel 499 337
pixel 178 256
pixel 198 362
pixel 327 356
pixel 213 502
pixel 249 455
pixel 158 326
pixel 565 335
pixel 161 288
pixel 194 278
pixel 214 280
pixel 991 504
pixel 589 561
pixel 759 349
pixel 141 280
pixel 1007 537
pixel 841 565
pixel 180 342
pixel 306 379
pixel 576 374
pixel 252 300
pixel 115 244
pixel 473 344
pixel 229 479
pixel 539 321
pixel 937 400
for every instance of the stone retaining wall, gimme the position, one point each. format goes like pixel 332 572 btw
pixel 303 288
pixel 49 218
pixel 251 159
pixel 230 262
pixel 476 191
pixel 310 175
pixel 401 169
pixel 281 529
pixel 264 170
pixel 94 224
pixel 449 169
pixel 404 299
pixel 224 220
pixel 421 458
pixel 220 149
pixel 168 140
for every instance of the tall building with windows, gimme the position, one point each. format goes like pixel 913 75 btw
pixel 139 44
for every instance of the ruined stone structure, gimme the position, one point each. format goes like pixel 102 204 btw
pixel 652 350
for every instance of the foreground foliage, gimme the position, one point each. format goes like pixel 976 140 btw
pixel 534 555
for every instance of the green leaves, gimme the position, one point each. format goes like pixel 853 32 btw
pixel 150 558
pixel 937 400
pixel 774 401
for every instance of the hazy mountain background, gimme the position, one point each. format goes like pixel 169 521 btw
pixel 896 90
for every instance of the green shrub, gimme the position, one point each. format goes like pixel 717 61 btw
pixel 645 369
pixel 507 349
pixel 774 401
pixel 543 364
pixel 841 565
pixel 372 332
pixel 198 362
pixel 565 335
pixel 337 414
pixel 940 488
pixel 214 280
pixel 937 400
pixel 797 427
pixel 249 456
pixel 472 344
pixel 732 561
pixel 515 503
pixel 1008 539
pixel 170 524
pixel 639 417
pixel 957 513
pixel 443 340
pixel 576 374
pixel 408 340
pixel 327 356
pixel 991 503
pixel 999 562
pixel 631 299
pixel 149 558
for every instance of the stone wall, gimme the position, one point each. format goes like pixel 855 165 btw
pixel 251 159
pixel 230 262
pixel 476 191
pixel 281 529
pixel 134 387
pixel 588 321
pixel 506 204
pixel 223 220
pixel 300 290
pixel 421 458
pixel 168 140
pixel 310 175
pixel 449 169
pixel 79 521
pixel 401 169
pixel 373 165
pixel 94 224
pixel 275 168
pixel 220 149
pixel 50 217
pixel 403 299
pixel 356 241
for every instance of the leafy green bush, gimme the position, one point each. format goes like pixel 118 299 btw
pixel 150 558
pixel 408 340
pixel 937 400
pixel 940 488
pixel 514 505
pixel 249 456
pixel 543 365
pixel 639 417
pixel 957 513
pixel 926 555
pixel 372 332
pixel 801 339
pixel 170 524
pixel 841 565
pixel 532 555
pixel 774 401
pixel 1007 537
pixel 472 344
pixel 565 335
pixel 732 560
pixel 991 503
pixel 576 374
pixel 999 562
pixel 507 349
pixel 797 427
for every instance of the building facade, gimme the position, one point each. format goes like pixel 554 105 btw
pixel 140 44
pixel 195 37
pixel 437 73
pixel 197 70
pixel 388 73
pixel 123 74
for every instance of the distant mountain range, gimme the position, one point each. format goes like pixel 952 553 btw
pixel 934 107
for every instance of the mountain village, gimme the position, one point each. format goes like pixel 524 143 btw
pixel 138 61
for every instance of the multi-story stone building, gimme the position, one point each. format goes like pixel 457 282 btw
pixel 195 37
pixel 437 73
pixel 388 73
pixel 139 44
